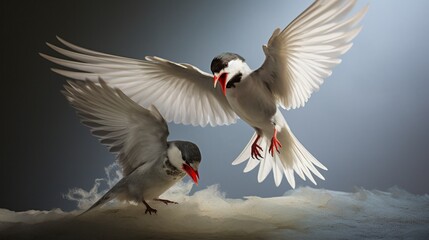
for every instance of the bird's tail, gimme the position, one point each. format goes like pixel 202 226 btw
pixel 293 157
pixel 104 199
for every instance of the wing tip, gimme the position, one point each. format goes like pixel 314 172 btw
pixel 61 40
pixel 45 56
pixel 59 71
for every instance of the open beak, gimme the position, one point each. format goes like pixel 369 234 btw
pixel 192 173
pixel 222 81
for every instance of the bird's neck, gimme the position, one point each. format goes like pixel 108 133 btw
pixel 238 66
pixel 245 70
pixel 240 75
pixel 175 156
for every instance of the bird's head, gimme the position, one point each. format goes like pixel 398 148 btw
pixel 185 156
pixel 228 69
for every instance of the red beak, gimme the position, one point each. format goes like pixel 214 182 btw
pixel 222 81
pixel 192 173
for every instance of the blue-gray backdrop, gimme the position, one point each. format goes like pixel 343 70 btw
pixel 368 124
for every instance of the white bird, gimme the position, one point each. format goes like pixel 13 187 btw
pixel 150 164
pixel 298 59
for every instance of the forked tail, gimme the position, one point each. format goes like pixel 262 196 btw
pixel 293 157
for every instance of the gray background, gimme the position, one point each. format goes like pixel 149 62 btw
pixel 368 124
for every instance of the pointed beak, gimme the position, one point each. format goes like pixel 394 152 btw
pixel 192 173
pixel 222 81
pixel 215 79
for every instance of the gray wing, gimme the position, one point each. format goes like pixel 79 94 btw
pixel 182 93
pixel 301 56
pixel 136 134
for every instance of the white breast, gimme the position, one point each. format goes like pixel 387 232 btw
pixel 148 182
pixel 252 102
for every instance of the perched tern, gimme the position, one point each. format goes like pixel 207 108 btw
pixel 150 164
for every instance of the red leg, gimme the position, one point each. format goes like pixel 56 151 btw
pixel 275 143
pixel 256 148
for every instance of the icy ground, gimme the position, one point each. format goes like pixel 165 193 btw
pixel 305 213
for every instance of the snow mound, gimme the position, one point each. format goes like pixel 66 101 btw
pixel 207 214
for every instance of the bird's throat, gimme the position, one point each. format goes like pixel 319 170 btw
pixel 222 82
pixel 236 79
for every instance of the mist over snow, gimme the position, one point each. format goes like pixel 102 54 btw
pixel 85 199
pixel 304 213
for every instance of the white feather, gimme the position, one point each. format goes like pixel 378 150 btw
pixel 304 53
pixel 266 162
pixel 157 81
pixel 245 153
pixel 136 134
pixel 251 164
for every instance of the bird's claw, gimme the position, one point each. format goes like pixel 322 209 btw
pixel 255 151
pixel 150 210
pixel 275 143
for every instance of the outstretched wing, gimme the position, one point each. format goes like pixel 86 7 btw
pixel 302 55
pixel 136 134
pixel 182 93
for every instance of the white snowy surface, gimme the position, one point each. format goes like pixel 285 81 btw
pixel 304 213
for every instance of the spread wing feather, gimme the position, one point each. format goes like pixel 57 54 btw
pixel 137 135
pixel 301 56
pixel 182 93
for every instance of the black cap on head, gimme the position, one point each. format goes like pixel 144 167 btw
pixel 221 61
pixel 190 151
